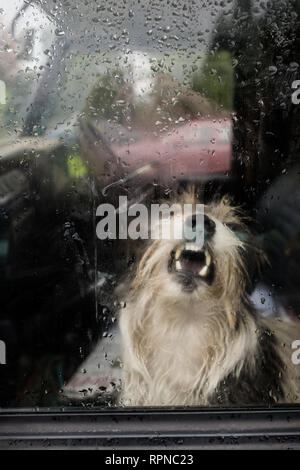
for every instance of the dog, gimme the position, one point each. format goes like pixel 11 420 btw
pixel 191 336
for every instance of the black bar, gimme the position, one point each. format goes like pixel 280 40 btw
pixel 276 428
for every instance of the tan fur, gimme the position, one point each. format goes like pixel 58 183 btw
pixel 179 346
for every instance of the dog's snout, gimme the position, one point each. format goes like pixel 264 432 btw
pixel 206 223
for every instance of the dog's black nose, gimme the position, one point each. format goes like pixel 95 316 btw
pixel 208 225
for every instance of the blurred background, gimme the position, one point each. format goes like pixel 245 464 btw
pixel 139 98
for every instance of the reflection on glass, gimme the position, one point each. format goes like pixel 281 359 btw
pixel 170 101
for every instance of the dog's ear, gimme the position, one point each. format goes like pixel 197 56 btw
pixel 189 195
pixel 144 271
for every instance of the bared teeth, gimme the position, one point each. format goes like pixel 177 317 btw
pixel 204 271
pixel 178 252
pixel 193 248
pixel 207 258
pixel 177 265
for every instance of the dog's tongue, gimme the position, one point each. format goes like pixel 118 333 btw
pixel 192 262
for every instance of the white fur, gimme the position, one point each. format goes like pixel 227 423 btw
pixel 178 345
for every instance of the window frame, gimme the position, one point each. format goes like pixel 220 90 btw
pixel 152 428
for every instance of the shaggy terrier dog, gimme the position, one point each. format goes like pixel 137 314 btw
pixel 190 334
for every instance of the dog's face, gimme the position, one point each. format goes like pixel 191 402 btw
pixel 199 266
pixel 184 273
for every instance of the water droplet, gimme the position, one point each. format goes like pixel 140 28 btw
pixel 272 69
pixel 293 66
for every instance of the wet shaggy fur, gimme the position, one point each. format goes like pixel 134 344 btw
pixel 205 346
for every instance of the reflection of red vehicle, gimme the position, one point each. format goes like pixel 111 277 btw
pixel 191 151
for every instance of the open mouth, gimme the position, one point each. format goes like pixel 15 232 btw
pixel 190 262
